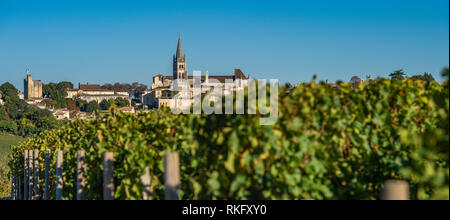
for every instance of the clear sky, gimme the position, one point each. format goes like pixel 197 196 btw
pixel 126 41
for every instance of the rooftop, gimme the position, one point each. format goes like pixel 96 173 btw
pixel 91 87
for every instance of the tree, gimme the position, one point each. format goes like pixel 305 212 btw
pixel 72 106
pixel 397 75
pixel 445 73
pixel 121 102
pixel 425 77
pixel 137 88
pixel 57 92
pixel 108 86
pixel 19 118
pixel 3 113
pixel 8 126
pixel 92 107
pixel 48 90
pixel 8 90
pixel 117 87
pixel 105 104
pixel 50 103
pixel 81 104
pixel 288 85
pixel 64 86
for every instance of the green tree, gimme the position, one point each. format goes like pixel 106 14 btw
pixel 105 104
pixel 57 92
pixel 8 127
pixel 8 90
pixel 288 85
pixel 19 118
pixel 3 113
pixel 397 75
pixel 64 86
pixel 121 102
pixel 49 103
pixel 81 104
pixel 92 107
pixel 427 77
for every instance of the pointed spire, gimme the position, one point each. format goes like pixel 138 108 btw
pixel 179 49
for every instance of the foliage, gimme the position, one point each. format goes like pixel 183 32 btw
pixel 425 77
pixel 105 104
pixel 8 126
pixel 397 75
pixel 81 104
pixel 19 118
pixel 118 102
pixel 57 92
pixel 9 92
pixel 288 85
pixel 430 151
pixel 5 142
pixel 49 103
pixel 133 89
pixel 328 143
pixel 72 107
pixel 92 106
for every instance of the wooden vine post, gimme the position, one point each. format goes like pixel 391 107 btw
pixel 395 190
pixel 25 175
pixel 19 191
pixel 171 176
pixel 108 176
pixel 16 181
pixel 36 175
pixel 47 175
pixel 30 175
pixel 59 175
pixel 146 181
pixel 81 169
pixel 13 181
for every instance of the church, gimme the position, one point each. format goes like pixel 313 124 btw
pixel 160 93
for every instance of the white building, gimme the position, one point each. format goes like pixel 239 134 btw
pixel 1 100
pixel 61 114
pixel 94 92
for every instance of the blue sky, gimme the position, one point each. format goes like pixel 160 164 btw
pixel 127 41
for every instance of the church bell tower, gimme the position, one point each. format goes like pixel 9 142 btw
pixel 179 63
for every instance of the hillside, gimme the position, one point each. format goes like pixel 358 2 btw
pixel 5 142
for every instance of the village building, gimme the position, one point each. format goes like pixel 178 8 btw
pixel 35 101
pixel 161 92
pixel 1 100
pixel 83 116
pixel 61 114
pixel 94 92
pixel 129 109
pixel 21 95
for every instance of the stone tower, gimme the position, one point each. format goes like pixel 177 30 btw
pixel 179 63
pixel 32 88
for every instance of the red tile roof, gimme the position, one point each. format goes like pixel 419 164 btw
pixel 90 87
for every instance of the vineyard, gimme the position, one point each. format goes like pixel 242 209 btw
pixel 5 142
pixel 328 143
